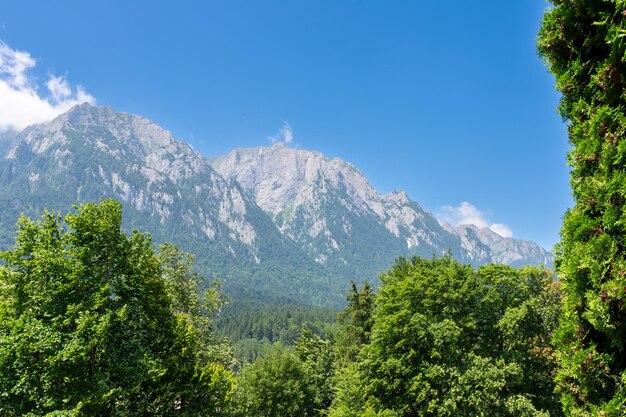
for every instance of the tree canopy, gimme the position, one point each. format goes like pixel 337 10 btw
pixel 448 340
pixel 584 45
pixel 277 384
pixel 87 326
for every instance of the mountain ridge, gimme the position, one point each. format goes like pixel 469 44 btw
pixel 165 188
pixel 275 222
pixel 292 183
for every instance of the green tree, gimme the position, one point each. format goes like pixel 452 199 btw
pixel 196 302
pixel 350 398
pixel 357 323
pixel 448 340
pixel 87 328
pixel 277 384
pixel 584 45
pixel 317 356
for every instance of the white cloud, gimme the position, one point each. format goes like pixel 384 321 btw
pixel 284 134
pixel 59 88
pixel 501 229
pixel 21 103
pixel 467 213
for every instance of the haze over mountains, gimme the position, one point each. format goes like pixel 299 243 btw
pixel 273 223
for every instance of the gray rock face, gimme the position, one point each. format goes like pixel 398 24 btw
pixel 329 208
pixel 280 176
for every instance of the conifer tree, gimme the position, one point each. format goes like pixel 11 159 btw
pixel 584 44
pixel 357 322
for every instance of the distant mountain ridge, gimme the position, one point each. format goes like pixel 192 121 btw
pixel 326 205
pixel 273 223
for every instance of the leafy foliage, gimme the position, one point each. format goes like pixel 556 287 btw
pixel 448 340
pixel 275 385
pixel 87 326
pixel 584 44
pixel 196 302
pixel 317 357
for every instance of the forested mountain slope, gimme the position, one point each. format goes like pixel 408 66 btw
pixel 276 224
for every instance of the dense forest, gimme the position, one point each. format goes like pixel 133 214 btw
pixel 94 322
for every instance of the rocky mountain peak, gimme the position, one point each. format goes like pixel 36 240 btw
pixel 122 136
pixel 281 176
pixel 398 196
pixel 165 188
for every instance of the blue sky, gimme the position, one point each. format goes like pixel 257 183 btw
pixel 447 100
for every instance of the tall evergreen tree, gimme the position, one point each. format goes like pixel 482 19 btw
pixel 584 45
pixel 357 323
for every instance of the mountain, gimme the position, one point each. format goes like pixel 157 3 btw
pixel 500 250
pixel 276 224
pixel 333 213
pixel 7 141
pixel 165 188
